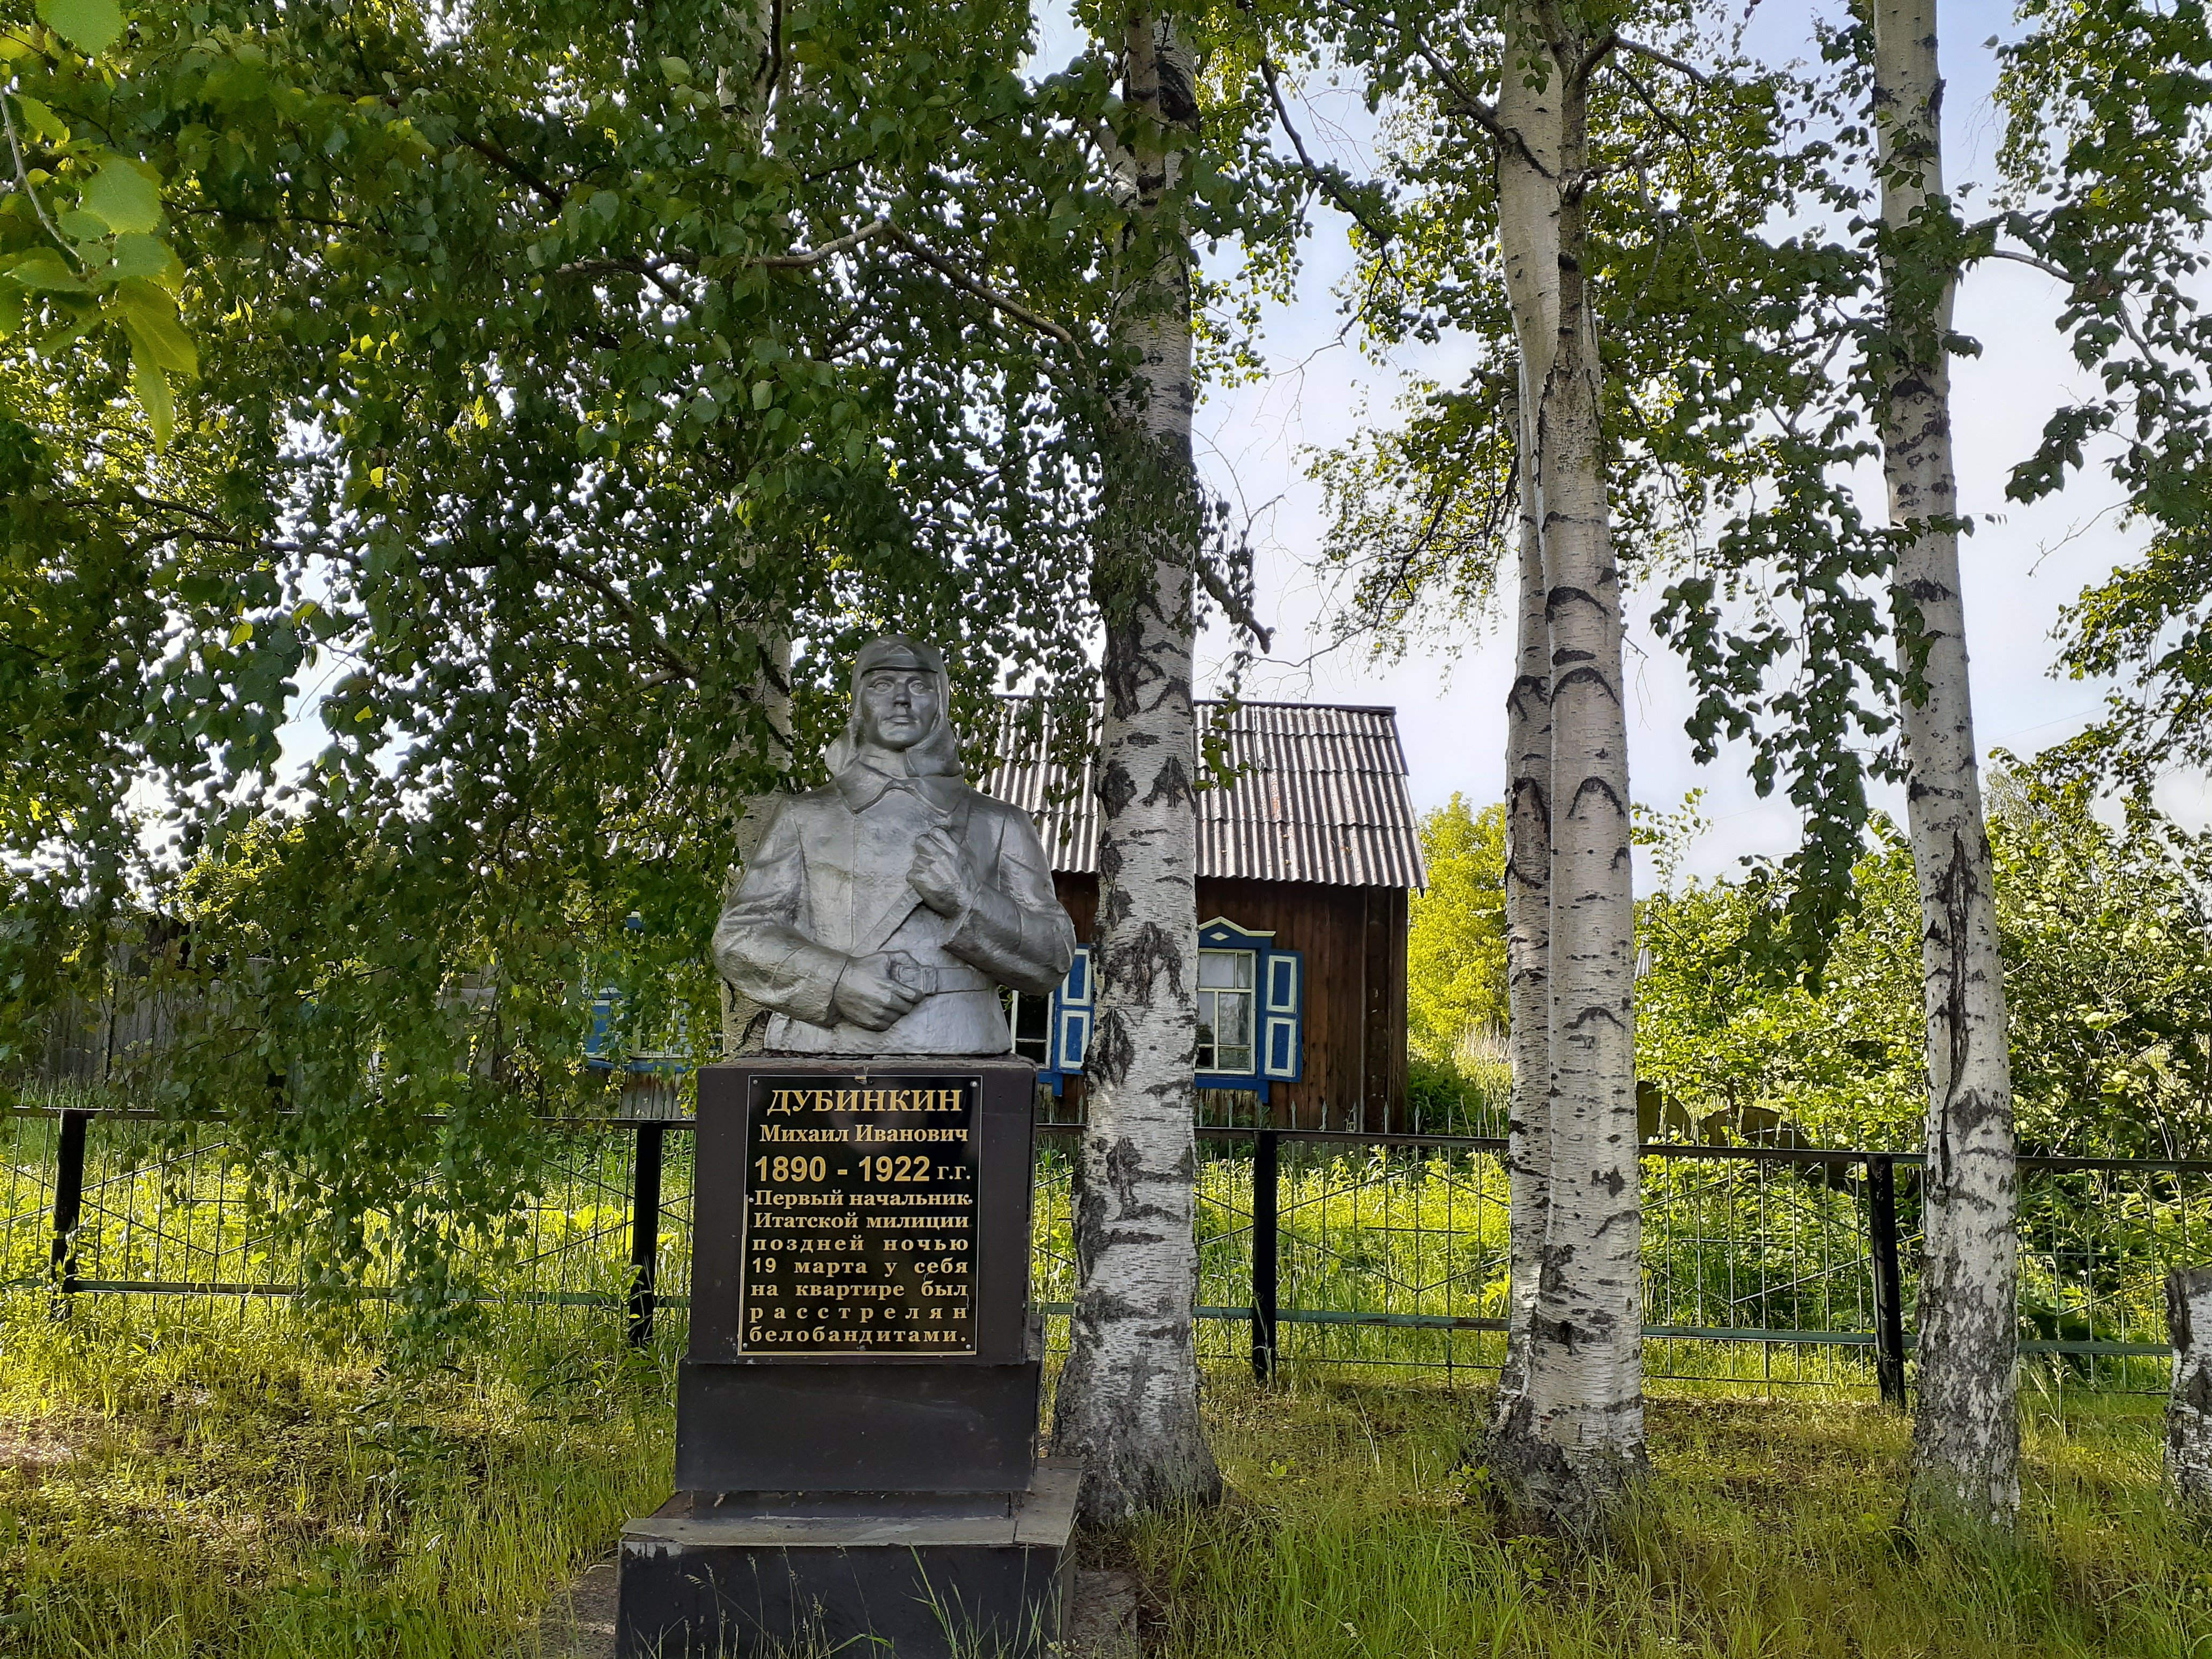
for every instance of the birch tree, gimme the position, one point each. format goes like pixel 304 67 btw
pixel 2105 174
pixel 1531 267
pixel 1127 1402
pixel 1570 1442
pixel 1643 346
pixel 1966 1436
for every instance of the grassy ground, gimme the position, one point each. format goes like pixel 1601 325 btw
pixel 174 1481
pixel 1770 1531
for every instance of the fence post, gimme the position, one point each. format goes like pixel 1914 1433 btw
pixel 1888 1279
pixel 69 1206
pixel 645 1232
pixel 1266 1185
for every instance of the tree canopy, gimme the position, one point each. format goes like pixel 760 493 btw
pixel 1456 937
pixel 2106 934
pixel 547 368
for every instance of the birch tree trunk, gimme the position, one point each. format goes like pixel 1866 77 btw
pixel 744 1022
pixel 1569 1446
pixel 1127 1399
pixel 2188 1403
pixel 1528 952
pixel 742 89
pixel 1966 1430
pixel 1528 238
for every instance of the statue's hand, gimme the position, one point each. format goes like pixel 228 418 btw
pixel 940 874
pixel 870 995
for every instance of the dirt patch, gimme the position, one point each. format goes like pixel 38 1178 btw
pixel 1105 1621
pixel 32 1449
pixel 579 1624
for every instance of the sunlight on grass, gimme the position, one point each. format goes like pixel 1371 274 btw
pixel 1770 1530
pixel 187 1478
pixel 180 1480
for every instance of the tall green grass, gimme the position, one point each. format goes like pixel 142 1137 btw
pixel 189 1479
pixel 1768 1530
pixel 179 1481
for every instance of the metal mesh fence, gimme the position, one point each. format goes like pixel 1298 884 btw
pixel 1387 1250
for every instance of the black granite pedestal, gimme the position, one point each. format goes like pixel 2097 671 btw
pixel 856 1418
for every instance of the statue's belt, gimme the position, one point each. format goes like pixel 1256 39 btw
pixel 932 981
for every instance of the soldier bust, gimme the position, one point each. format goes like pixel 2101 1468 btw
pixel 880 913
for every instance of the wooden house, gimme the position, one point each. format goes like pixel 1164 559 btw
pixel 1305 861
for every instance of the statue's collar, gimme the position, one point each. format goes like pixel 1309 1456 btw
pixel 865 781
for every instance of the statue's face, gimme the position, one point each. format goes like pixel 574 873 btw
pixel 898 707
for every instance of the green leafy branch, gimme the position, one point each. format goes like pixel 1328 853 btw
pixel 101 260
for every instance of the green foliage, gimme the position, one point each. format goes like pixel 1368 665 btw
pixel 553 365
pixel 1715 1032
pixel 1468 1094
pixel 558 369
pixel 1455 940
pixel 2108 970
pixel 80 251
pixel 1727 267
pixel 2106 935
pixel 2109 108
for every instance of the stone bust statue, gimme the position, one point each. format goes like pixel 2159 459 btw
pixel 880 913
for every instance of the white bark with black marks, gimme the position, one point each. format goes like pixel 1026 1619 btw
pixel 1528 220
pixel 1569 1444
pixel 744 89
pixel 1966 1430
pixel 1527 956
pixel 2189 1405
pixel 1128 1398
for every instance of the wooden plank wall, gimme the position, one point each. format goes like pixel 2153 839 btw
pixel 1354 941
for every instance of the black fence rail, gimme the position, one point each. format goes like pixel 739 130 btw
pixel 1316 1249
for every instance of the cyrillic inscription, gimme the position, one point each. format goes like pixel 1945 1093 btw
pixel 860 1215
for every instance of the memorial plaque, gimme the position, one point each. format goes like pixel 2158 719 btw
pixel 858 1224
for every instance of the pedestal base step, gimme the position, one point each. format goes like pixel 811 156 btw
pixel 925 1578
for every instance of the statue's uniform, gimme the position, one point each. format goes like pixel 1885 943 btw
pixel 828 885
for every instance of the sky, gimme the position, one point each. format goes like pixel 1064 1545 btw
pixel 2020 566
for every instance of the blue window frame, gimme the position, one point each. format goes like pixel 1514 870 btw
pixel 603 1042
pixel 1054 1030
pixel 1251 997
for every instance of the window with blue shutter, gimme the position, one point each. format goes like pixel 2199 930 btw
pixel 1073 1014
pixel 609 1045
pixel 1251 1014
pixel 1282 1013
pixel 1054 1030
pixel 606 1013
pixel 1251 998
pixel 1030 1018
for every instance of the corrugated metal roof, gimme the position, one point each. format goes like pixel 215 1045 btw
pixel 1319 795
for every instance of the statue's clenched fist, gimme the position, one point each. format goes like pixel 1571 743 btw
pixel 871 995
pixel 940 874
